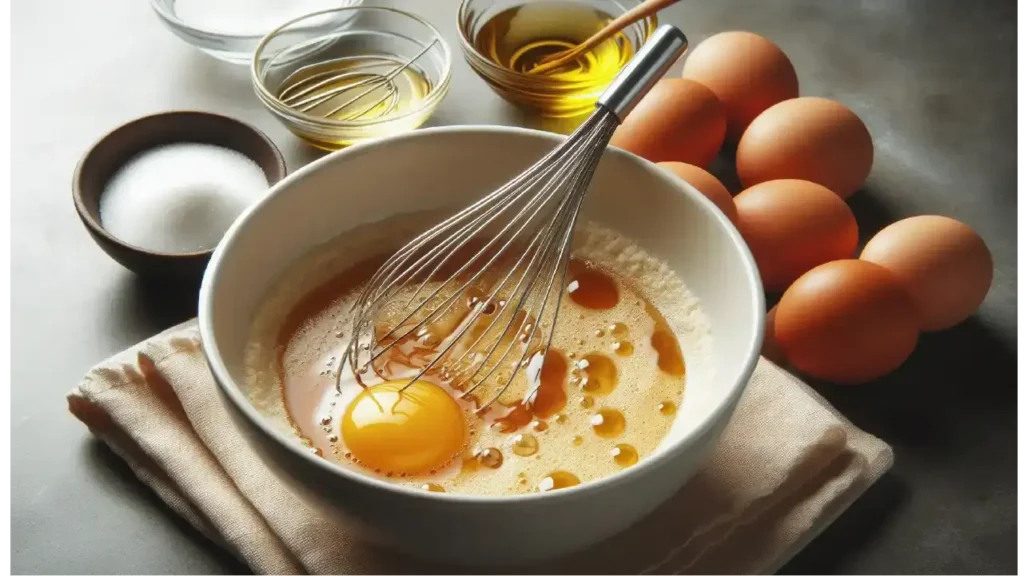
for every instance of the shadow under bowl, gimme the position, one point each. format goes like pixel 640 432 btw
pixel 112 151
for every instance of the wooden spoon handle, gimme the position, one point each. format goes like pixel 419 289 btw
pixel 641 11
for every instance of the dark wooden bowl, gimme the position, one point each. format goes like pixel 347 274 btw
pixel 100 163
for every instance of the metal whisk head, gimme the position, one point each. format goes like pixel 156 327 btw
pixel 474 300
pixel 358 83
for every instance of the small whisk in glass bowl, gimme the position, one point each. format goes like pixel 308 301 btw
pixel 502 39
pixel 383 72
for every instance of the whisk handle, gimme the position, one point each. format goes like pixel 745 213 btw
pixel 651 62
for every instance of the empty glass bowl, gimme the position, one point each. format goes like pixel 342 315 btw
pixel 230 29
pixel 502 38
pixel 382 71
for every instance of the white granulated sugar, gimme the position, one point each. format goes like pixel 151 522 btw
pixel 179 197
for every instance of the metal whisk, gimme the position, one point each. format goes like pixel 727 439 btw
pixel 527 225
pixel 306 94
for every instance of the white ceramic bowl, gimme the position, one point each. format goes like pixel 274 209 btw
pixel 438 167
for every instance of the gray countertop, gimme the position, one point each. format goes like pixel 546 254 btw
pixel 934 81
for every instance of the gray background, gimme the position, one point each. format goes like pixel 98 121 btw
pixel 934 81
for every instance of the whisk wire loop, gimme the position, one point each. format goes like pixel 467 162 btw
pixel 462 237
pixel 541 205
pixel 527 223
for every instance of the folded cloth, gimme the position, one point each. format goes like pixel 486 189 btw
pixel 786 466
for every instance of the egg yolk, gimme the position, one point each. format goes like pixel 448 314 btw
pixel 411 432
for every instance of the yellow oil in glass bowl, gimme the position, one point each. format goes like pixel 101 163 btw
pixel 503 41
pixel 306 72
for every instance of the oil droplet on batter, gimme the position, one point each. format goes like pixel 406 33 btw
pixel 348 455
pixel 665 343
pixel 582 342
pixel 515 419
pixel 557 480
pixel 561 419
pixel 524 445
pixel 540 425
pixel 325 421
pixel 577 440
pixel 431 487
pixel 670 357
pixel 521 478
pixel 668 408
pixel 599 333
pixel 601 374
pixel 618 329
pixel 590 287
pixel 625 455
pixel 333 438
pixel 490 458
pixel 608 423
pixel 586 402
pixel 623 348
pixel 548 400
pixel 550 397
pixel 316 451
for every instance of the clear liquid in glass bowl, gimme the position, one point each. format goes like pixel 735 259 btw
pixel 230 29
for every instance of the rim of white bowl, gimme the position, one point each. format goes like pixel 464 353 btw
pixel 234 392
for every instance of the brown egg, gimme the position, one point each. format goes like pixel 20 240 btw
pixel 706 184
pixel 747 72
pixel 770 346
pixel 847 321
pixel 792 226
pixel 678 120
pixel 807 138
pixel 943 264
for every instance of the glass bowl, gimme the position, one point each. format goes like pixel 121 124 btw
pixel 562 93
pixel 229 30
pixel 297 63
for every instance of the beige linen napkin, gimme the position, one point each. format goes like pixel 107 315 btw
pixel 786 466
